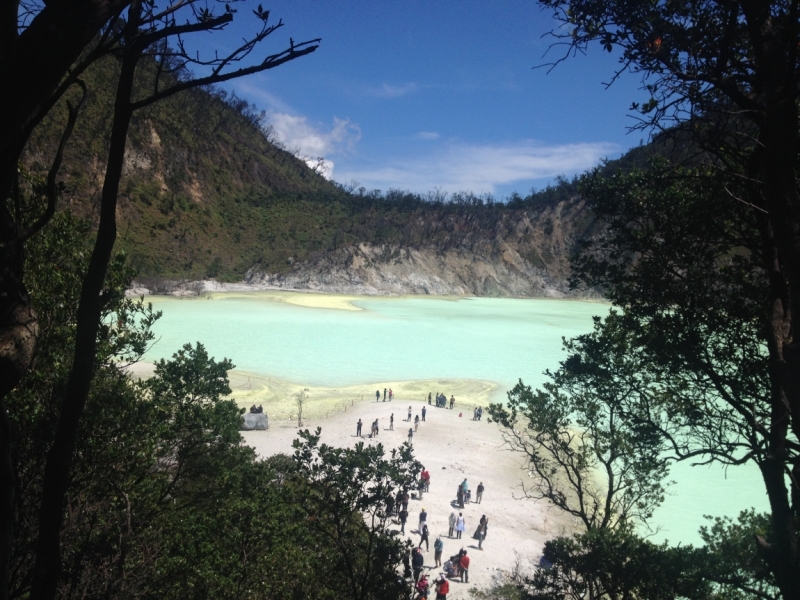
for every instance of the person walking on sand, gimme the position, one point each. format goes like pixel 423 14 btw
pixel 391 422
pixel 429 398
pixel 452 524
pixel 384 394
pixel 452 401
pixel 377 395
pixel 417 561
pixel 424 410
pixel 409 414
pixel 403 516
pixel 358 428
pixel 438 547
pixel 416 422
pixel 424 533
pixel 391 394
pixel 480 532
pixel 479 493
pixel 460 497
pixel 423 518
pixel 461 525
pixel 410 435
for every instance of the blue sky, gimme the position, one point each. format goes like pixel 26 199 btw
pixel 437 94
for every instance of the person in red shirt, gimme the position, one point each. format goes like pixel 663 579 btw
pixel 465 568
pixel 426 478
pixel 442 588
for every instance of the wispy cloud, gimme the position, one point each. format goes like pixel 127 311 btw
pixel 392 91
pixel 314 142
pixel 261 97
pixel 481 168
pixel 427 135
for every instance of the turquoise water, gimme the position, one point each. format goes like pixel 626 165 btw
pixel 499 340
pixel 393 339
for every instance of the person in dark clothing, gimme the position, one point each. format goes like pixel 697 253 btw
pixel 358 428
pixel 479 495
pixel 424 410
pixel 460 497
pixel 429 398
pixel 424 538
pixel 403 516
pixel 377 395
pixel 417 561
pixel 384 394
pixel 406 565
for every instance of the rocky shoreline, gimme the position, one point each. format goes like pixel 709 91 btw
pixel 369 270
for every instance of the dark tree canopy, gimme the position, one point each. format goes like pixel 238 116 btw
pixel 724 75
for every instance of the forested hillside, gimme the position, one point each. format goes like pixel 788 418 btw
pixel 207 194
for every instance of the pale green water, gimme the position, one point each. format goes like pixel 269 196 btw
pixel 492 339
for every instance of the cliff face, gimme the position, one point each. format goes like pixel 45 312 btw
pixel 523 254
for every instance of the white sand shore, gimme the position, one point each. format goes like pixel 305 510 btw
pixel 452 448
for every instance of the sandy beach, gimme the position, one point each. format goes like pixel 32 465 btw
pixel 452 448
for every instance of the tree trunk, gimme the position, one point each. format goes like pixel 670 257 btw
pixel 47 568
pixel 31 66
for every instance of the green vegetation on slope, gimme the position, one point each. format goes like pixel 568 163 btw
pixel 206 192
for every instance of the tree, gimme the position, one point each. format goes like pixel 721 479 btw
pixel 608 563
pixel 138 38
pixel 615 564
pixel 726 73
pixel 688 269
pixel 348 495
pixel 300 401
pixel 584 454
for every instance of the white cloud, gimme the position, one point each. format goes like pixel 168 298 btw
pixel 427 135
pixel 313 142
pixel 481 168
pixel 392 91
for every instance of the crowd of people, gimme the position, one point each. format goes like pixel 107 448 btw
pixel 457 566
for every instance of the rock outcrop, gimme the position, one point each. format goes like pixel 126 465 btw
pixel 521 254
pixel 254 421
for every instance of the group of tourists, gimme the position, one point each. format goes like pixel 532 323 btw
pixel 411 430
pixel 373 430
pixel 457 567
pixel 441 400
pixel 464 494
pixel 386 392
pixel 257 410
